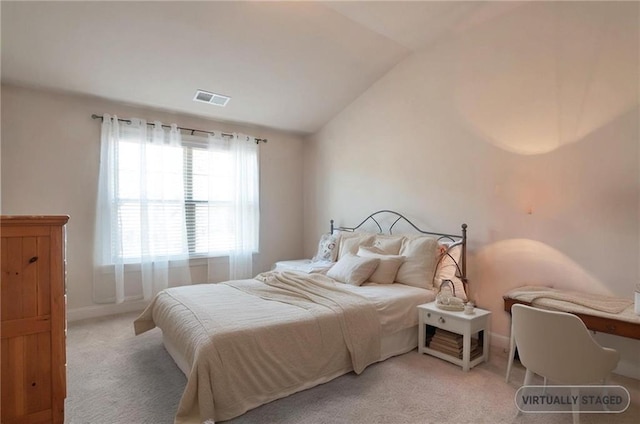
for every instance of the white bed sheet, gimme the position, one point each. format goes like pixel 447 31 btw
pixel 394 305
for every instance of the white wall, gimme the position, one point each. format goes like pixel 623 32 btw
pixel 524 126
pixel 50 156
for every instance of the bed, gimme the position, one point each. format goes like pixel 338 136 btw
pixel 245 343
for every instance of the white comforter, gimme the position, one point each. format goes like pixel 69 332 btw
pixel 252 341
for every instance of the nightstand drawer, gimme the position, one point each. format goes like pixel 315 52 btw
pixel 444 321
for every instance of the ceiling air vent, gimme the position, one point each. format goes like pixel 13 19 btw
pixel 211 98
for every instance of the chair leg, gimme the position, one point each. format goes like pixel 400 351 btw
pixel 512 349
pixel 605 391
pixel 528 377
pixel 575 407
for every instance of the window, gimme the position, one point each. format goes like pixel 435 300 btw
pixel 179 199
pixel 210 200
pixel 158 198
pixel 164 197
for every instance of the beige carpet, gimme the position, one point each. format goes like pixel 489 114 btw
pixel 114 377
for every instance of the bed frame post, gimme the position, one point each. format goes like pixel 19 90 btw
pixel 464 258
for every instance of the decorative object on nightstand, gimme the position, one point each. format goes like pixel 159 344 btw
pixel 446 298
pixel 469 308
pixel 454 336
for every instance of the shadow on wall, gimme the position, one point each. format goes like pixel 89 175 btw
pixel 507 264
pixel 548 75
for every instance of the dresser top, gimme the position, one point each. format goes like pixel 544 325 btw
pixel 34 219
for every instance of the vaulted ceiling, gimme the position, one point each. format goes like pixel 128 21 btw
pixel 285 65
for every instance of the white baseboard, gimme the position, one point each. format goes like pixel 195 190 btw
pixel 627 368
pixel 499 341
pixel 96 311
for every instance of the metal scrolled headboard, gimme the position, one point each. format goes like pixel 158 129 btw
pixel 454 239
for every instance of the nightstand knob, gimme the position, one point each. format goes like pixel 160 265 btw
pixel 441 320
pixel 428 314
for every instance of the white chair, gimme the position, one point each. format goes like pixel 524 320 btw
pixel 559 347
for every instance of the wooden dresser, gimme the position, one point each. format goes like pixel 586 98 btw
pixel 33 357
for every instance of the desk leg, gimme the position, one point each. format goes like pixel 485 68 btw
pixel 512 348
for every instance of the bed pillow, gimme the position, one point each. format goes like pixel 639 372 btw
pixel 420 261
pixel 327 248
pixel 446 269
pixel 390 245
pixel 387 269
pixel 352 269
pixel 350 242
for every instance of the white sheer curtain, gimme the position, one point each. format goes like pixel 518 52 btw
pixel 163 199
pixel 140 211
pixel 246 213
pixel 234 214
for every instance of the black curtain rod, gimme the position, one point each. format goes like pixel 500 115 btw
pixel 128 121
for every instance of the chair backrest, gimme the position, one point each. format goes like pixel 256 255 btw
pixel 557 345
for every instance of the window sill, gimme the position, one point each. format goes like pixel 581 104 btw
pixel 177 263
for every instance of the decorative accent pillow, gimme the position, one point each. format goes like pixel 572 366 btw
pixel 446 269
pixel 351 242
pixel 387 269
pixel 352 269
pixel 327 248
pixel 420 261
pixel 390 245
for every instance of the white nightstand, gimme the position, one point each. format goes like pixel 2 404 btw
pixel 455 343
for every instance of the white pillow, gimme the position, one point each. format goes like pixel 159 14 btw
pixel 387 269
pixel 327 248
pixel 419 265
pixel 351 241
pixel 390 245
pixel 352 269
pixel 446 269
